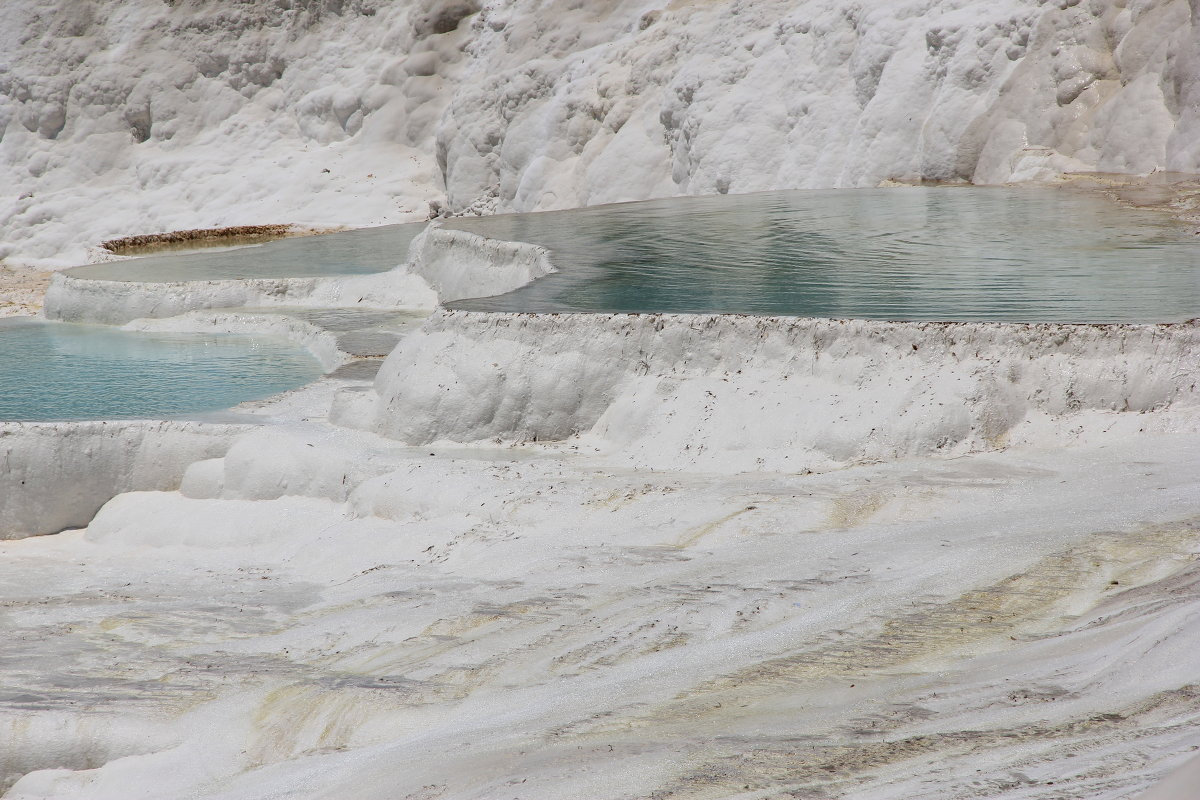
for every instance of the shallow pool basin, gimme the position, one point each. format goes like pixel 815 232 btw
pixel 51 370
pixel 357 252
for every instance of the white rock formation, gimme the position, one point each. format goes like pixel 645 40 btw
pixel 322 614
pixel 77 299
pixel 458 265
pixel 735 393
pixel 56 475
pixel 147 116
pixel 136 117
pixel 304 610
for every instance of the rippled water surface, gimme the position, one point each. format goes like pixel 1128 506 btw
pixel 356 252
pixel 939 253
pixel 61 371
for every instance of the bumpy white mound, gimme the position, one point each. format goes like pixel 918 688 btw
pixel 458 265
pixel 786 393
pixel 141 116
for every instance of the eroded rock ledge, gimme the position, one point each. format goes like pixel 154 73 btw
pixel 754 392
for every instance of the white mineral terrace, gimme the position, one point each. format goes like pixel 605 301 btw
pixel 596 556
pixel 613 556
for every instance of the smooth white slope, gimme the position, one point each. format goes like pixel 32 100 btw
pixel 321 614
pixel 140 116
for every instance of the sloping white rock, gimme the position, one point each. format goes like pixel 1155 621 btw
pixel 56 475
pixel 139 117
pixel 491 620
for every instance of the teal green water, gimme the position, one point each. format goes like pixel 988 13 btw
pixel 921 253
pixel 356 252
pixel 60 371
pixel 967 253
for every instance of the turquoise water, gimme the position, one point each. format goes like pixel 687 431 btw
pixel 61 371
pixel 356 252
pixel 921 253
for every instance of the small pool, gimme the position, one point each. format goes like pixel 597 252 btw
pixel 921 253
pixel 357 252
pixel 52 371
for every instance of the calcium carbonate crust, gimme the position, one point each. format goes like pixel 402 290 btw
pixel 57 475
pixel 73 299
pixel 734 392
pixel 459 265
pixel 121 118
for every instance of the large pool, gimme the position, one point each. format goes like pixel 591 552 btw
pixel 61 371
pixel 921 253
pixel 944 253
pixel 969 253
pixel 356 252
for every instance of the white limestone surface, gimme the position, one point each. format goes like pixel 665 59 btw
pixel 127 118
pixel 56 475
pixel 312 611
pixel 124 117
pixel 323 614
pixel 78 299
pixel 458 265
pixel 733 393
pixel 671 599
